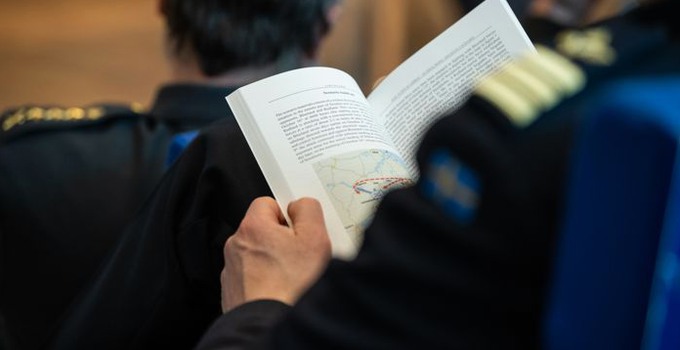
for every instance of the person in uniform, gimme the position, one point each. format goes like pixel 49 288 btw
pixel 436 269
pixel 72 177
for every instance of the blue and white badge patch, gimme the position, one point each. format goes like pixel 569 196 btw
pixel 452 185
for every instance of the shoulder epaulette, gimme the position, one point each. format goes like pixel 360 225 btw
pixel 592 46
pixel 530 85
pixel 30 117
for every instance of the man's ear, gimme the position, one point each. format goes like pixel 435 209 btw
pixel 333 14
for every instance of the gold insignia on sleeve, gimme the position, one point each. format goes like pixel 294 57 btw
pixel 38 114
pixel 54 113
pixel 35 113
pixel 591 46
pixel 94 113
pixel 13 120
pixel 137 107
pixel 531 85
pixel 75 113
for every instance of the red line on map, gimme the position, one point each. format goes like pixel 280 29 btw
pixel 393 181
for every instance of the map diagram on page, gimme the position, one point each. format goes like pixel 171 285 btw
pixel 356 181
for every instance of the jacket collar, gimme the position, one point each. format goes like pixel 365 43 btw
pixel 189 104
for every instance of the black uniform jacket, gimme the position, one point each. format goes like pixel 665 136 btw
pixel 434 271
pixel 160 289
pixel 70 179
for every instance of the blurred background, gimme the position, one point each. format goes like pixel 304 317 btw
pixel 75 52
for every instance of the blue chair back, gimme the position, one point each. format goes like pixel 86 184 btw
pixel 616 278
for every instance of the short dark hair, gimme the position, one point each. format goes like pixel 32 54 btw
pixel 228 34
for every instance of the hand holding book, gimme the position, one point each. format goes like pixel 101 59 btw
pixel 314 134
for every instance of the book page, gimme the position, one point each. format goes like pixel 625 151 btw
pixel 313 134
pixel 441 75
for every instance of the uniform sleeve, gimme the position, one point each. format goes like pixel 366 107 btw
pixel 243 327
pixel 436 270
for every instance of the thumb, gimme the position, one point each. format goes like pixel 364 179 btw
pixel 306 216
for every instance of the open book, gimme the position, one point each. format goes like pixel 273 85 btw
pixel 314 134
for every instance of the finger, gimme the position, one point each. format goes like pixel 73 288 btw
pixel 265 208
pixel 306 213
pixel 263 215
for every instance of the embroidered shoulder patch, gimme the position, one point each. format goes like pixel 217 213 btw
pixel 452 185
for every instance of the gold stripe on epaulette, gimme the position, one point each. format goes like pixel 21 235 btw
pixel 519 110
pixel 591 45
pixel 538 91
pixel 569 77
pixel 37 114
pixel 531 85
